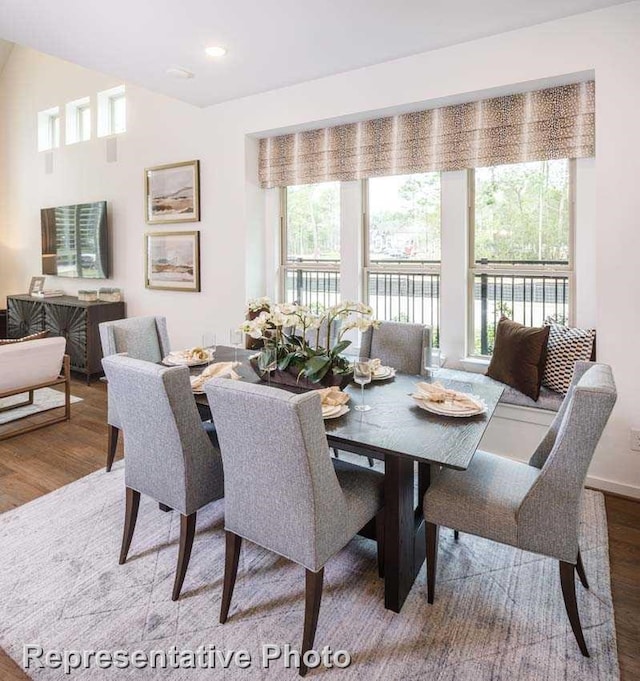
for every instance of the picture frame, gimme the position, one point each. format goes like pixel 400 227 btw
pixel 36 286
pixel 172 193
pixel 172 261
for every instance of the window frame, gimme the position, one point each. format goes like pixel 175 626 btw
pixel 287 265
pixel 474 269
pixel 400 267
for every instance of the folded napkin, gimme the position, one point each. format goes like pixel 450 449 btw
pixel 436 392
pixel 375 364
pixel 216 370
pixel 333 396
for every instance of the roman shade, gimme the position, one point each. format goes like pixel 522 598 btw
pixel 557 122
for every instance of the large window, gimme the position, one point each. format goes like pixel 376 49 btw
pixel 521 246
pixel 311 244
pixel 402 248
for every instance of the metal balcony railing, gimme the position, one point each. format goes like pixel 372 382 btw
pixel 528 299
pixel 406 297
pixel 318 289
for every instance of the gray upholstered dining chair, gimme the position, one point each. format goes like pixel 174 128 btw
pixel 168 454
pixel 295 502
pixel 534 506
pixel 397 344
pixel 143 338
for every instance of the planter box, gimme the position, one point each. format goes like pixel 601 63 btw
pixel 288 379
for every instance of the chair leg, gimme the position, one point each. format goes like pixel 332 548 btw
pixel 370 462
pixel 312 598
pixel 432 532
pixel 456 535
pixel 568 583
pixel 380 542
pixel 581 573
pixel 112 445
pixel 233 542
pixel 187 532
pixel 132 503
pixel 335 452
pixel 164 508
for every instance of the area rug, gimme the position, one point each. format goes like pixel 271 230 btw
pixel 43 400
pixel 498 612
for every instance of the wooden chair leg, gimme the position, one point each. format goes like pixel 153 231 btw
pixel 312 598
pixel 187 533
pixel 335 452
pixel 132 503
pixel 370 462
pixel 568 583
pixel 432 532
pixel 380 542
pixel 456 535
pixel 233 543
pixel 581 573
pixel 112 445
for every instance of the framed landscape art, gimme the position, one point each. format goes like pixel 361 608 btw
pixel 172 261
pixel 172 193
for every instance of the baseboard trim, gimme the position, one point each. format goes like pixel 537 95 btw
pixel 617 488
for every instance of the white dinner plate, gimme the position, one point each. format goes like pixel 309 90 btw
pixel 383 373
pixel 342 410
pixel 450 408
pixel 180 359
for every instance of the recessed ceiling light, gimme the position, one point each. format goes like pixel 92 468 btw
pixel 216 51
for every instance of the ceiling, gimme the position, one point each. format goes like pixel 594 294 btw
pixel 271 43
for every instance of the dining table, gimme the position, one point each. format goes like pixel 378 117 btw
pixel 410 441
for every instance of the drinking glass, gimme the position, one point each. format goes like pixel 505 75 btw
pixel 209 344
pixel 235 338
pixel 362 376
pixel 431 361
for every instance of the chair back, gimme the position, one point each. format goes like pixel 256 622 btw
pixel 139 337
pixel 281 490
pixel 30 363
pixel 168 455
pixel 548 518
pixel 397 344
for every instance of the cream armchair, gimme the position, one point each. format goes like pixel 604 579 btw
pixel 27 366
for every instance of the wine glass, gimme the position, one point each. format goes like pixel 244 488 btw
pixel 268 362
pixel 235 338
pixel 209 344
pixel 362 376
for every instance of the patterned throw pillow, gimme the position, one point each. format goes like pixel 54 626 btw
pixel 566 346
pixel 33 336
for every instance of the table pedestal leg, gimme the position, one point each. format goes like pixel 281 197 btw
pixel 404 528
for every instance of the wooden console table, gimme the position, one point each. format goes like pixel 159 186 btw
pixel 66 316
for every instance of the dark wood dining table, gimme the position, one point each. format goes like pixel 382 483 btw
pixel 397 431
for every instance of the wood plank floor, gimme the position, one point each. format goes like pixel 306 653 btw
pixel 36 463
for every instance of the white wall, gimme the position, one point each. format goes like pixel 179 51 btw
pixel 233 235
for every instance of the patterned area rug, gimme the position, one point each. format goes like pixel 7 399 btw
pixel 498 612
pixel 43 400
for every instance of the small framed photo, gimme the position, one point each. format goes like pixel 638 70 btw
pixel 172 261
pixel 36 286
pixel 172 193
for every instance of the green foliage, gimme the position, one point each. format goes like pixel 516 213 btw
pixel 522 212
pixel 313 221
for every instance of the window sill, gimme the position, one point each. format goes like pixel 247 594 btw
pixel 477 365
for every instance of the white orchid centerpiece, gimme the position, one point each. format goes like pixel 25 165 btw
pixel 303 342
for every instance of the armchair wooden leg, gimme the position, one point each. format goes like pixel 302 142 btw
pixel 581 573
pixel 233 543
pixel 132 503
pixel 370 462
pixel 335 452
pixel 432 532
pixel 456 535
pixel 568 583
pixel 313 596
pixel 187 532
pixel 380 542
pixel 112 445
